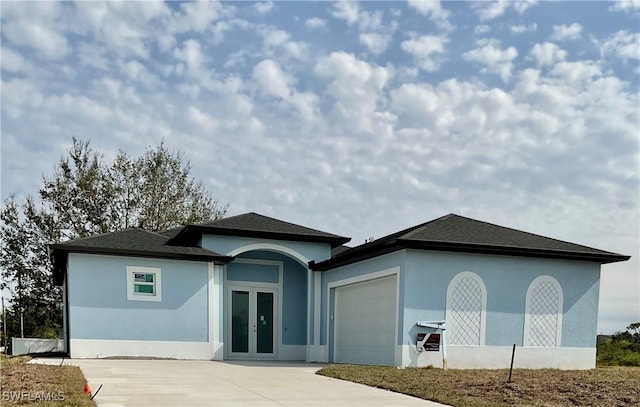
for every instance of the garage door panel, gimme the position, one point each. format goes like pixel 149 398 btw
pixel 365 322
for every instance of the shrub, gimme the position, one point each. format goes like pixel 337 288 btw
pixel 622 350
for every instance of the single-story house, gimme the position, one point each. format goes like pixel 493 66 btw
pixel 254 287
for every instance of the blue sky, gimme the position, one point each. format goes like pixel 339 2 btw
pixel 355 118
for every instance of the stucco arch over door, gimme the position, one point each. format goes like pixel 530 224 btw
pixel 271 247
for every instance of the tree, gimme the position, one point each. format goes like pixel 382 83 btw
pixel 86 196
pixel 634 329
pixel 26 271
pixel 167 195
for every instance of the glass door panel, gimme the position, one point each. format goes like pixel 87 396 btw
pixel 264 319
pixel 240 321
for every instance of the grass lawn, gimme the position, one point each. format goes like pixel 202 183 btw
pixel 37 385
pixel 609 386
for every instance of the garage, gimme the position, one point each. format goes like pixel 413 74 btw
pixel 365 322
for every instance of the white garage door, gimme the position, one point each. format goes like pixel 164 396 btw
pixel 365 322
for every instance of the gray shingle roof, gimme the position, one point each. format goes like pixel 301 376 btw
pixel 169 233
pixel 256 225
pixel 137 242
pixel 458 229
pixel 458 233
pixel 340 249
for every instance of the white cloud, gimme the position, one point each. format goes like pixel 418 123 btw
pixel 547 54
pixel 622 44
pixel 375 43
pixel 495 59
pixel 626 5
pixel 18 95
pixel 35 26
pixel 432 9
pixel 136 71
pixel 93 55
pixel 346 10
pixel 306 104
pixel 520 6
pixel 123 30
pixel 191 55
pixel 576 73
pixel 567 32
pixel 315 23
pixel 272 79
pixel 427 51
pixel 166 42
pixel 263 7
pixel 490 10
pixel 11 60
pixel 373 33
pixel 481 29
pixel 198 16
pixel 280 40
pixel 356 86
pixel 519 29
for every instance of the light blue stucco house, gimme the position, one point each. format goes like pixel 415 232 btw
pixel 254 287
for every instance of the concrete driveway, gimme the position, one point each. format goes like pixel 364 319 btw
pixel 187 383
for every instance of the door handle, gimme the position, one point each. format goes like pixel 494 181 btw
pixel 254 328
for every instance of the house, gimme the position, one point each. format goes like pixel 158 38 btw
pixel 254 287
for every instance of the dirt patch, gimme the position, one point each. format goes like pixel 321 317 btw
pixel 41 385
pixel 602 387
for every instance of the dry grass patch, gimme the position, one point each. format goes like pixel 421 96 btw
pixel 38 385
pixel 612 386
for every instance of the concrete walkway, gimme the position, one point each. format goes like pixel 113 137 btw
pixel 185 383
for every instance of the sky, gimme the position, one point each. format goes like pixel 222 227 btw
pixel 359 119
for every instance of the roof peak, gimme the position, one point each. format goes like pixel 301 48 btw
pixel 536 235
pixel 252 224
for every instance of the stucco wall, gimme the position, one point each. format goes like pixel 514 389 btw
pixel 424 277
pixel 99 309
pixel 427 276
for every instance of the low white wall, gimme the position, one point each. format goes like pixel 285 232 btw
pixel 291 352
pixel 103 348
pixel 98 348
pixel 499 357
pixel 318 353
pixel 22 346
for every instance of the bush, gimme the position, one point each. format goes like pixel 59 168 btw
pixel 623 350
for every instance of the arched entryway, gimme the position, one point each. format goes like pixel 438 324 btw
pixel 266 303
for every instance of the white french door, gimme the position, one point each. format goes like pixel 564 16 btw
pixel 252 322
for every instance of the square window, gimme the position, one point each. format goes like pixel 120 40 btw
pixel 144 284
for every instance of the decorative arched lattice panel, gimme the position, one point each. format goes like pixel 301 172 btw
pixel 466 308
pixel 543 315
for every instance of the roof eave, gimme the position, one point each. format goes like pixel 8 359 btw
pixel 603 258
pixel 218 259
pixel 355 255
pixel 363 253
pixel 191 231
